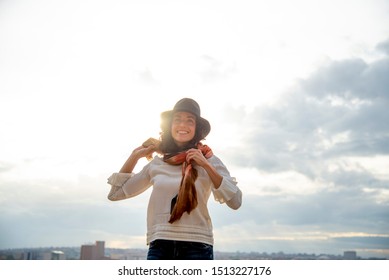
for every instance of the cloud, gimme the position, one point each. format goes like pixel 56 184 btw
pixel 383 46
pixel 146 77
pixel 346 209
pixel 214 69
pixel 330 134
pixel 5 167
pixel 66 214
pixel 340 110
pixel 324 222
pixel 374 242
pixel 336 78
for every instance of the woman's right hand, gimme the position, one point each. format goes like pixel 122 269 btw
pixel 154 143
pixel 142 151
pixel 136 154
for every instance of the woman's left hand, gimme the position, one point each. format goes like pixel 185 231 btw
pixel 197 156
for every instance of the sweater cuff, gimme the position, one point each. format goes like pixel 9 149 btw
pixel 118 179
pixel 226 191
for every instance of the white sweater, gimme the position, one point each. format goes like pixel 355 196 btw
pixel 165 179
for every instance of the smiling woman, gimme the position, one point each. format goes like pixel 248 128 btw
pixel 178 221
pixel 80 83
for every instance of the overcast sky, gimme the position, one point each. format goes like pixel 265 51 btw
pixel 296 92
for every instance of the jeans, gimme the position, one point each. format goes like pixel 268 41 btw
pixel 179 250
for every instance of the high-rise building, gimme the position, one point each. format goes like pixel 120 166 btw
pixel 88 252
pixel 100 250
pixel 93 252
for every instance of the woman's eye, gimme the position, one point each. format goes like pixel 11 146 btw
pixel 187 121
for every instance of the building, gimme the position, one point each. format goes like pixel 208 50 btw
pixel 93 251
pixel 57 255
pixel 349 255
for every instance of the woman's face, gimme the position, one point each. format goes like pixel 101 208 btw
pixel 183 127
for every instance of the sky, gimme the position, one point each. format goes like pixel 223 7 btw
pixel 296 93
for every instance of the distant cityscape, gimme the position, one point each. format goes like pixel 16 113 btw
pixel 97 251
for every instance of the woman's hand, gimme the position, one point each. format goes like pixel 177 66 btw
pixel 197 156
pixel 151 142
pixel 142 151
pixel 136 154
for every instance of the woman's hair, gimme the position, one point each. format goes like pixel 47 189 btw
pixel 167 142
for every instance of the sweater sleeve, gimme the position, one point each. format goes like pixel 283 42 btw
pixel 228 192
pixel 126 185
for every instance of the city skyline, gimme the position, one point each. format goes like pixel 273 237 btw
pixel 98 251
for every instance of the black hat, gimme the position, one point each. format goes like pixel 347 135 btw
pixel 190 106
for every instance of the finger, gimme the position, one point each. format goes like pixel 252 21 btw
pixel 139 148
pixel 191 157
pixel 149 149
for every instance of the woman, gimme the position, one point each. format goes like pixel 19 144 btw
pixel 183 177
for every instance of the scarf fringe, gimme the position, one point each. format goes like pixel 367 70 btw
pixel 187 195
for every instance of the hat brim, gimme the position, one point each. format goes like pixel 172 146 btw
pixel 202 124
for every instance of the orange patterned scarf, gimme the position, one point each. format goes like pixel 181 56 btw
pixel 187 195
pixel 186 200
